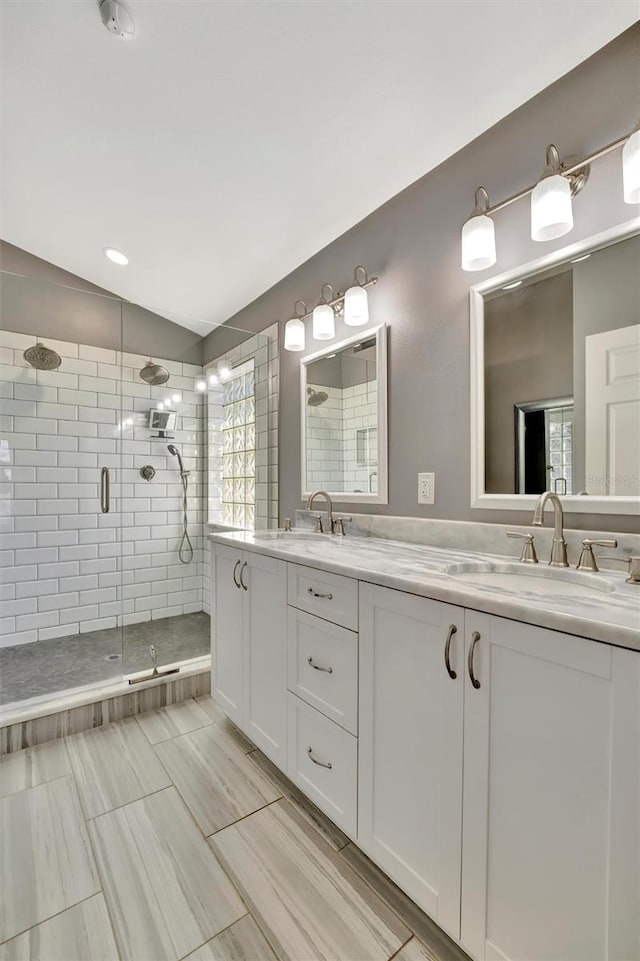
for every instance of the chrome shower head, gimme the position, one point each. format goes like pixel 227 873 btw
pixel 154 374
pixel 316 397
pixel 42 358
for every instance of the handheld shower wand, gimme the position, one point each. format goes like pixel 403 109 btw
pixel 185 550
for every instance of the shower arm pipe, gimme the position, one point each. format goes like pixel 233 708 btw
pixel 338 301
pixel 565 171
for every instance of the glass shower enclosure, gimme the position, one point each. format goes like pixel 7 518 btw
pixel 102 492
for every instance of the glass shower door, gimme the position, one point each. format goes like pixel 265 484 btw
pixel 163 454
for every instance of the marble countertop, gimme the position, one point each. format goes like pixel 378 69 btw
pixel 612 616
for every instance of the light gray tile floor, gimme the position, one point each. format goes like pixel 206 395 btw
pixel 122 844
pixel 63 663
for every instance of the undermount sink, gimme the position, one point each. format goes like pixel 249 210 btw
pixel 542 580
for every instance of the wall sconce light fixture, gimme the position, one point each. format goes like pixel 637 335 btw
pixel 356 300
pixel 294 336
pixel 354 304
pixel 324 319
pixel 551 200
pixel 551 210
pixel 479 236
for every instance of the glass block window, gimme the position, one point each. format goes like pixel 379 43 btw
pixel 239 447
pixel 559 433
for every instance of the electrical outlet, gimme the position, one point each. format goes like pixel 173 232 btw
pixel 426 488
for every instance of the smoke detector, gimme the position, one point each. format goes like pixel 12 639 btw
pixel 117 18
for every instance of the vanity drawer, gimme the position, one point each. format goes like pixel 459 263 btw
pixel 331 596
pixel 322 667
pixel 322 759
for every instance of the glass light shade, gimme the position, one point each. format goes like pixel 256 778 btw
pixel 324 322
pixel 356 307
pixel 551 211
pixel 294 334
pixel 631 169
pixel 478 243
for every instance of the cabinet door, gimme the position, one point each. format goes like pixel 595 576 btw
pixel 551 801
pixel 227 625
pixel 410 748
pixel 266 655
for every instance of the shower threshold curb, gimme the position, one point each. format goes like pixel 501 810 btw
pixel 47 705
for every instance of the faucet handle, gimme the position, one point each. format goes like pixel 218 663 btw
pixel 339 522
pixel 587 561
pixel 528 555
pixel 318 529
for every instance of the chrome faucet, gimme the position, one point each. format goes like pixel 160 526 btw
pixel 312 497
pixel 559 545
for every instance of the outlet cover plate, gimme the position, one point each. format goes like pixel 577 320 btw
pixel 426 488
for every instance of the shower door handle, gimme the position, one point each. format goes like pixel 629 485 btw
pixel 105 490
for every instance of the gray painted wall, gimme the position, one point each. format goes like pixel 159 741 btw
pixel 528 356
pixel 413 244
pixel 39 298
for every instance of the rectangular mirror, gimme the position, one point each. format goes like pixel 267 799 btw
pixel 344 419
pixel 555 371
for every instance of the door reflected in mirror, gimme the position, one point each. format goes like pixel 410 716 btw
pixel 344 450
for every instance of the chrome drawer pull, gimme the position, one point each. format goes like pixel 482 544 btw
pixel 447 650
pixel 319 763
pixel 327 670
pixel 475 637
pixel 326 597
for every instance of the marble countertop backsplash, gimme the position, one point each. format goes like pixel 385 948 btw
pixel 413 555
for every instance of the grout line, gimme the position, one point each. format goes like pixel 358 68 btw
pixel 245 816
pixel 118 807
pixel 210 940
pixel 94 894
pixel 403 946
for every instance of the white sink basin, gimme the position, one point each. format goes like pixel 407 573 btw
pixel 538 579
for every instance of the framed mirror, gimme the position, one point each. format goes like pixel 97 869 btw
pixel 344 419
pixel 555 379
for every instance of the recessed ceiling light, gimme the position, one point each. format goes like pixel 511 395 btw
pixel 578 259
pixel 512 286
pixel 116 256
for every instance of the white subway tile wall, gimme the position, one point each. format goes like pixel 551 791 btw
pixel 66 568
pixel 342 440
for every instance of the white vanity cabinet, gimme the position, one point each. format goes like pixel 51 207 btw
pixel 491 768
pixel 410 746
pixel 551 803
pixel 250 646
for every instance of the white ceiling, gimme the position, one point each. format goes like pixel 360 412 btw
pixel 230 141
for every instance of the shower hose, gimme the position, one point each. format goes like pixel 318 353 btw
pixel 185 551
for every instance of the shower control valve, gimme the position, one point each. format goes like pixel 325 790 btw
pixel 148 472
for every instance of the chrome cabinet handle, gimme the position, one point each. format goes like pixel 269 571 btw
pixel 326 597
pixel 234 574
pixel 105 490
pixel 447 652
pixel 327 670
pixel 326 764
pixel 475 637
pixel 242 583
